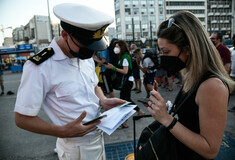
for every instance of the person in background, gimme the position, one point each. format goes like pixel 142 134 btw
pixel 232 72
pixel 62 80
pixel 124 67
pixel 224 52
pixel 106 73
pixel 2 67
pixel 149 73
pixel 136 70
pixel 170 80
pixel 202 118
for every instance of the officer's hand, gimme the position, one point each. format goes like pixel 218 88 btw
pixel 75 128
pixel 109 103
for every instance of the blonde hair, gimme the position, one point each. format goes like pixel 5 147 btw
pixel 203 55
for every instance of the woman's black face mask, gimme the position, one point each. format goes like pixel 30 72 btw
pixel 172 64
pixel 84 53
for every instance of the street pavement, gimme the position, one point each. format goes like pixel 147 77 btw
pixel 18 144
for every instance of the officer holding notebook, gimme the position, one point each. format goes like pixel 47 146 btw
pixel 61 79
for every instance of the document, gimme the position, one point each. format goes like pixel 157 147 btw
pixel 115 117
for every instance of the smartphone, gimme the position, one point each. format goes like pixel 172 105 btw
pixel 95 120
pixel 145 102
pixel 105 63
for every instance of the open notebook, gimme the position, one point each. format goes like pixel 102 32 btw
pixel 115 117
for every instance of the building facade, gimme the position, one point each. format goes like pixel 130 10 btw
pixel 136 20
pixel 197 7
pixel 36 32
pixel 221 17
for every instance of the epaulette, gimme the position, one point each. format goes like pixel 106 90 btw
pixel 42 56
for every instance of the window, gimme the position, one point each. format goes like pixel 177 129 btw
pixel 137 26
pixel 144 26
pixel 151 10
pixel 144 18
pixel 117 12
pixel 161 18
pixel 153 26
pixel 160 10
pixel 143 2
pixel 127 18
pixel 151 2
pixel 128 10
pixel 117 20
pixel 135 2
pixel 152 18
pixel 136 10
pixel 128 26
pixel 117 5
pixel 144 10
pixel 136 18
pixel 118 28
pixel 127 2
pixel 184 3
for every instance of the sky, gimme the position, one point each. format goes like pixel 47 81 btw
pixel 14 13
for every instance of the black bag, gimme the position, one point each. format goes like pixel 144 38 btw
pixel 156 142
pixel 118 80
pixel 160 145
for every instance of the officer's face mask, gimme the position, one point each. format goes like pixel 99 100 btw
pixel 83 53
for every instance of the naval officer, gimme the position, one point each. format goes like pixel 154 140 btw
pixel 61 79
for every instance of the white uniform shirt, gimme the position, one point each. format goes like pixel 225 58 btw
pixel 148 63
pixel 63 86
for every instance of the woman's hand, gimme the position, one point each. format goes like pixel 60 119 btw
pixel 109 103
pixel 109 66
pixel 158 108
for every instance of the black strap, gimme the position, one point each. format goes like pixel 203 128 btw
pixel 179 106
pixel 206 76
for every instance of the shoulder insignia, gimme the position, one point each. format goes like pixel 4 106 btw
pixel 42 56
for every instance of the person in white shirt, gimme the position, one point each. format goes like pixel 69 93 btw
pixel 147 69
pixel 61 79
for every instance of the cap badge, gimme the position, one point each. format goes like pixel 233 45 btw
pixel 99 33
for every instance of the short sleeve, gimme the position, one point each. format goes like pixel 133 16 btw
pixel 125 62
pixel 31 91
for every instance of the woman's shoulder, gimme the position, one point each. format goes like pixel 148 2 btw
pixel 213 86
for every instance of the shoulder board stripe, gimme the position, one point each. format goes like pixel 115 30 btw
pixel 42 56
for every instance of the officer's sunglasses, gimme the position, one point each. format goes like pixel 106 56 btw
pixel 172 21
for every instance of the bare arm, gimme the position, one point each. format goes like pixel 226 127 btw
pixel 212 99
pixel 122 71
pixel 95 58
pixel 37 125
pixel 107 103
pixel 141 68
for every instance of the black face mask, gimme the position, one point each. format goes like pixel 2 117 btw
pixel 84 53
pixel 172 64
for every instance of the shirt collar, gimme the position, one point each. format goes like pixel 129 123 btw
pixel 59 54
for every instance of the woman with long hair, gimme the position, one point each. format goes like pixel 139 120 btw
pixel 125 68
pixel 202 117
